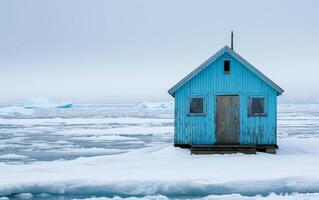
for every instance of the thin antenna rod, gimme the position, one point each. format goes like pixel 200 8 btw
pixel 232 41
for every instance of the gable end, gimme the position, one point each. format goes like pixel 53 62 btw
pixel 213 58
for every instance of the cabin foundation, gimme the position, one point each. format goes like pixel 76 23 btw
pixel 228 149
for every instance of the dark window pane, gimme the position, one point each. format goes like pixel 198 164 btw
pixel 196 105
pixel 257 106
pixel 226 66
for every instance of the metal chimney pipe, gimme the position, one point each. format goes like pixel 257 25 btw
pixel 232 41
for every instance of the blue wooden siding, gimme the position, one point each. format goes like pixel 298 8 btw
pixel 212 82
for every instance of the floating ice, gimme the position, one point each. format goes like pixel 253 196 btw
pixel 14 110
pixel 45 103
pixel 155 105
pixel 64 105
pixel 24 196
pixel 53 139
pixel 13 157
pixel 157 197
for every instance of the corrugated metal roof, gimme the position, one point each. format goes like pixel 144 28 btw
pixel 213 58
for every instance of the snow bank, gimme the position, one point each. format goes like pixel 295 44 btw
pixel 45 103
pixel 272 196
pixel 165 170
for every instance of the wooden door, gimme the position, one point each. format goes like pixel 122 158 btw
pixel 227 119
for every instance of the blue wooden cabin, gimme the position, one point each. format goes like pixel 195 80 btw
pixel 226 102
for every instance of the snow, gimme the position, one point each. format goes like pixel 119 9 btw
pixel 157 197
pixel 169 171
pixel 14 110
pixel 125 152
pixel 107 138
pixel 45 103
pixel 41 146
pixel 155 105
pixel 131 130
pixel 24 196
pixel 12 157
pixel 75 121
pixel 272 196
pixel 89 150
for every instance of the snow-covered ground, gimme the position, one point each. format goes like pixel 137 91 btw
pixel 109 151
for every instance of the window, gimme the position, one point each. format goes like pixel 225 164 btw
pixel 257 106
pixel 196 106
pixel 226 66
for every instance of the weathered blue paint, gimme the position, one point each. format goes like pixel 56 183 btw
pixel 211 81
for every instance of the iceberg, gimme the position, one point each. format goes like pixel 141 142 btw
pixel 64 105
pixel 45 103
pixel 155 105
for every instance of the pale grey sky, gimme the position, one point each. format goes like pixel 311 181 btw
pixel 99 51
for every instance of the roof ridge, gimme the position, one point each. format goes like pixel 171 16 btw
pixel 224 49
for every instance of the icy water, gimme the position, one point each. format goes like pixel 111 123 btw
pixel 97 197
pixel 85 130
pixel 33 135
pixel 28 135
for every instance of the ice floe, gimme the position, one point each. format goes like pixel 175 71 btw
pixel 6 110
pixel 155 105
pixel 45 103
pixel 13 157
pixel 134 157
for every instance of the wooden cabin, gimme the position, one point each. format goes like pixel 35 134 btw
pixel 226 105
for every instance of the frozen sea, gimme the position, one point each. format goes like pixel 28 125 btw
pixel 53 137
pixel 47 134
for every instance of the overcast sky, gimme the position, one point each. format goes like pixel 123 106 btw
pixel 126 51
